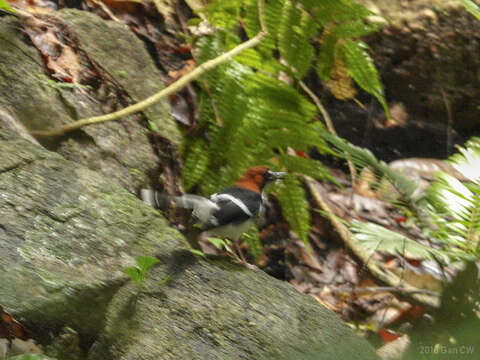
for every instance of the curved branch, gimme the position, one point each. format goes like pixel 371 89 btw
pixel 177 85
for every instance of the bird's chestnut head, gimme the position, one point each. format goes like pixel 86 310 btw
pixel 255 178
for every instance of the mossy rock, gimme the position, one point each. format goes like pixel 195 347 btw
pixel 67 233
pixel 126 74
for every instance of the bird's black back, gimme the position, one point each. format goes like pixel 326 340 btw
pixel 229 212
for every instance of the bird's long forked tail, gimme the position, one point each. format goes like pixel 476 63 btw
pixel 202 210
pixel 154 198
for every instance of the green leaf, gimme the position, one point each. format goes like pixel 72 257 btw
pixel 338 11
pixel 455 205
pixel 451 196
pixel 146 262
pixel 218 243
pixel 223 14
pixel 326 57
pixel 294 38
pixel 471 7
pixel 467 161
pixel 355 29
pixel 295 207
pixel 167 279
pixel 364 158
pixel 252 238
pixel 361 68
pixel 133 273
pixel 198 252
pixel 4 5
pixel 29 356
pixel 271 15
pixel 195 163
pixel 301 165
pixel 250 17
pixel 377 238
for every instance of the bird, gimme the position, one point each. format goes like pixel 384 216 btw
pixel 228 213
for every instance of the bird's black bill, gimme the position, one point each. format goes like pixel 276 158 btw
pixel 272 175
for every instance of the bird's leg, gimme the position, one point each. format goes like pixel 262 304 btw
pixel 240 257
pixel 239 252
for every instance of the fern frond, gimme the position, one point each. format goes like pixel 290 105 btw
pixel 252 239
pixel 471 7
pixel 361 68
pixel 326 55
pixel 306 166
pixel 250 17
pixel 223 14
pixel 207 48
pixel 355 29
pixel 259 60
pixel 272 13
pixel 294 38
pixel 262 116
pixel 291 195
pixel 339 11
pixel 455 206
pixel 196 162
pixel 467 161
pixel 295 138
pixel 364 158
pixel 377 238
pixel 279 94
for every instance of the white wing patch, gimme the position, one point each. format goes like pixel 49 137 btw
pixel 203 208
pixel 234 200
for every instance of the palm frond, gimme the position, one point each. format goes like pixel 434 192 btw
pixel 378 238
pixel 364 158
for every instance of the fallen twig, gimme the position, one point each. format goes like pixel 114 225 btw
pixel 381 273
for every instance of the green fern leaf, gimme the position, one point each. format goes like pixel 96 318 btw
pixel 310 167
pixel 458 202
pixel 223 14
pixel 294 39
pixel 377 238
pixel 196 163
pixel 467 161
pixel 338 11
pixel 258 60
pixel 326 57
pixel 275 94
pixel 250 17
pixel 355 29
pixel 361 68
pixel 364 158
pixel 292 197
pixel 450 196
pixel 296 138
pixel 4 5
pixel 252 239
pixel 272 13
pixel 471 7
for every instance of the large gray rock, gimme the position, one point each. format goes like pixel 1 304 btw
pixel 123 73
pixel 66 233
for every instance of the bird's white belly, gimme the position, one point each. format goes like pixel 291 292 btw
pixel 232 231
